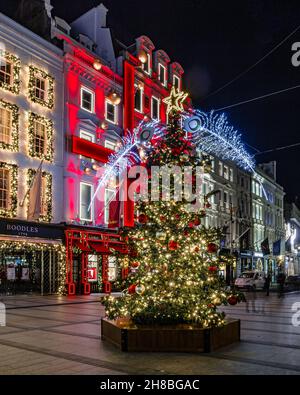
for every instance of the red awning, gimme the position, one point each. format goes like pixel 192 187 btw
pixel 99 247
pixel 82 246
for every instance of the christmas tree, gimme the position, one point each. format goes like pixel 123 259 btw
pixel 173 265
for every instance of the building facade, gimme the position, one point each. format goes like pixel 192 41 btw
pixel 268 219
pixel 108 92
pixel 31 125
pixel 292 239
pixel 67 97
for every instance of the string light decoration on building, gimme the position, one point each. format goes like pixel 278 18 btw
pixel 62 274
pixel 127 153
pixel 11 212
pixel 173 260
pixel 12 247
pixel 47 156
pixel 212 133
pixel 48 193
pixel 43 95
pixel 14 81
pixel 13 145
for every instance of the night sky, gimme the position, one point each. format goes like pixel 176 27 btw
pixel 215 41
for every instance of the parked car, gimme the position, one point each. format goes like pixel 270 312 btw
pixel 251 280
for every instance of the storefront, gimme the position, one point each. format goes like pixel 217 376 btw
pixel 258 261
pixel 91 264
pixel 32 257
pixel 245 262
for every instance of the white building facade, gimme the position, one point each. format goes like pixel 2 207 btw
pixel 31 136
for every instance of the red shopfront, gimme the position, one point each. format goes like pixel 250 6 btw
pixel 91 265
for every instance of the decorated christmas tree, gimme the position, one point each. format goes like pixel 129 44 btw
pixel 173 264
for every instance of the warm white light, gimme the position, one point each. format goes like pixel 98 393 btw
pixel 143 56
pixel 97 64
pixel 114 98
pixel 104 125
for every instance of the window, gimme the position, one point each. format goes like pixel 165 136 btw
pixel 147 102
pixel 226 172
pixel 39 138
pixel 5 125
pixel 138 100
pixel 112 268
pixel 242 207
pixel 5 72
pixel 220 169
pixel 40 88
pixel 92 268
pixel 4 189
pixel 257 189
pixel 110 145
pixel 176 82
pixel 155 104
pixel 162 74
pixel 231 174
pixel 85 200
pixel 87 100
pixel 260 213
pixel 147 66
pixel 110 112
pixel 109 195
pixel 225 198
pixel 10 66
pixel 89 137
pixel 212 163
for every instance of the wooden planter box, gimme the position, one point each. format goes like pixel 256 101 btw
pixel 177 338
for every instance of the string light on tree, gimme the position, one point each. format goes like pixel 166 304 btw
pixel 176 279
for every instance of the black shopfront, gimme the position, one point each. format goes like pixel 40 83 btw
pixel 31 257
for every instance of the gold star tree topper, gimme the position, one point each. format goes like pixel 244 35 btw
pixel 175 100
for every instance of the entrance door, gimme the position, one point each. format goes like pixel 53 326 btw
pixel 77 274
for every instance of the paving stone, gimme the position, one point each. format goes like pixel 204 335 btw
pixel 61 335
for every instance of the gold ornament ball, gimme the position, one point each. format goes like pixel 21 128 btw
pixel 140 289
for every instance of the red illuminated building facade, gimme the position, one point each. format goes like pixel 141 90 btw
pixel 108 91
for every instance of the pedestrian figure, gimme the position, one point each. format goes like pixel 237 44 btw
pixel 267 284
pixel 251 299
pixel 280 282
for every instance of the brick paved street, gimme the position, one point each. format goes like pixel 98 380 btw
pixel 61 335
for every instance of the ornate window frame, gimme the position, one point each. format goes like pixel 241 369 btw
pixel 12 211
pixel 36 72
pixel 14 87
pixel 32 117
pixel 14 145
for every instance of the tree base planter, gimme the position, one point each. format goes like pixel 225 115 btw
pixel 176 338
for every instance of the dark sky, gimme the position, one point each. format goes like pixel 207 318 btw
pixel 215 40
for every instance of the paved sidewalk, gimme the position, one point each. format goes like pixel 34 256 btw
pixel 61 335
